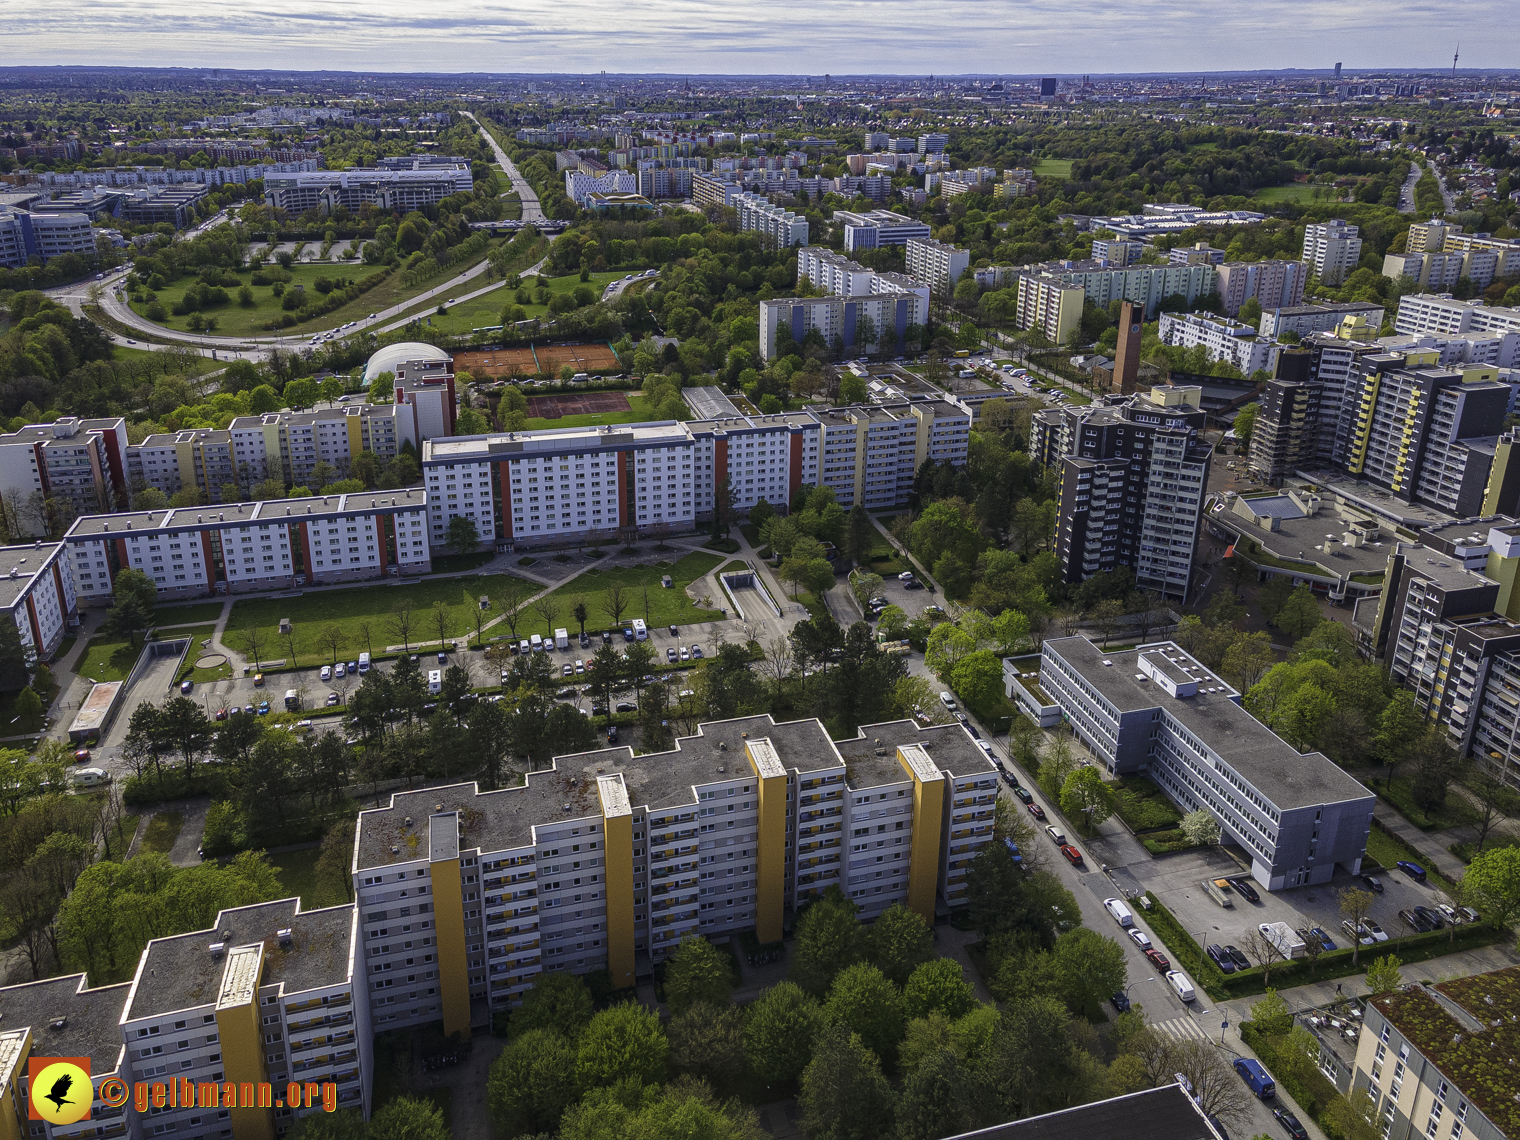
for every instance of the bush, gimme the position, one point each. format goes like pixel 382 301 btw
pixel 149 789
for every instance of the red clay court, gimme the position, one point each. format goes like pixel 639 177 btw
pixel 589 403
pixel 534 359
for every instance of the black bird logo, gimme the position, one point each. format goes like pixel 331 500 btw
pixel 60 1091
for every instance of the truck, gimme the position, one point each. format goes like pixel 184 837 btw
pixel 435 681
pixel 1218 890
pixel 292 700
pixel 363 663
pixel 640 630
pixel 562 639
pixel 1284 937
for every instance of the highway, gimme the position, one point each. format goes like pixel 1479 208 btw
pixel 532 211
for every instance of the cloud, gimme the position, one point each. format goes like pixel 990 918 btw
pixel 1006 37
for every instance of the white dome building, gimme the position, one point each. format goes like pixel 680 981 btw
pixel 388 359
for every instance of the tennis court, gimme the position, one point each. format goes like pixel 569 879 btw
pixel 584 404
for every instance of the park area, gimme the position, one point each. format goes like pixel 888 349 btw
pixel 644 595
pixel 1290 192
pixel 485 311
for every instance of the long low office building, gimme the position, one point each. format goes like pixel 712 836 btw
pixel 608 859
pixel 1156 710
pixel 246 547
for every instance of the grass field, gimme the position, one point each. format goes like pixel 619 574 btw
pixel 351 610
pixel 185 615
pixel 107 658
pixel 1053 168
pixel 198 365
pixel 198 634
pixel 163 830
pixel 298 875
pixel 665 607
pixel 485 311
pixel 1290 192
pixel 636 411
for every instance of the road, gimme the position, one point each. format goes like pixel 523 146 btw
pixel 615 289
pixel 1406 193
pixel 532 210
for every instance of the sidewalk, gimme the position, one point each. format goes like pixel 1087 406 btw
pixel 1423 842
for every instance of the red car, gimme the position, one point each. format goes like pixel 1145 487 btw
pixel 1158 959
pixel 82 756
pixel 1037 811
pixel 1073 856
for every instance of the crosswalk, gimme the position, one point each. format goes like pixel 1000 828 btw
pixel 1181 1029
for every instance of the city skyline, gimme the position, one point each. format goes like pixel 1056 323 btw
pixel 698 36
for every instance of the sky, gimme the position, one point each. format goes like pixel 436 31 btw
pixel 909 37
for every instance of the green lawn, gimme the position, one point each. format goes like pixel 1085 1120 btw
pixel 1053 168
pixel 198 634
pixel 485 311
pixel 107 658
pixel 1388 849
pixel 1458 812
pixel 298 875
pixel 1289 192
pixel 198 365
pixel 883 558
pixel 350 610
pixel 665 607
pixel 163 830
pixel 186 615
pixel 638 410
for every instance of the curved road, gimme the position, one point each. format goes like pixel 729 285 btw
pixel 532 211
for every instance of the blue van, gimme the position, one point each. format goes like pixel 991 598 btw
pixel 1257 1077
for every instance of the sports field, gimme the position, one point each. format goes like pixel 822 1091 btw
pixel 587 403
pixel 507 362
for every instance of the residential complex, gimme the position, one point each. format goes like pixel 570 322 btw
pixel 844 278
pixel 266 996
pixel 1145 285
pixel 1322 316
pixel 1332 250
pixel 858 324
pixel 400 190
pixel 1161 218
pixel 1494 330
pixel 1224 340
pixel 1050 304
pixel 776 225
pixel 1271 284
pixel 608 859
pixel 1482 258
pixel 80 466
pixel 244 547
pixel 580 185
pixel 37 594
pixel 1436 1058
pixel 1158 710
pixel 936 264
pixel 1132 472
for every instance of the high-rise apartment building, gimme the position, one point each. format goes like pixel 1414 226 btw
pixel 37 595
pixel 933 143
pixel 1132 472
pixel 62 469
pixel 608 859
pixel 1320 317
pixel 776 225
pixel 1332 250
pixel 878 322
pixel 1146 285
pixel 1271 284
pixel 844 278
pixel 877 228
pixel 25 235
pixel 936 263
pixel 1049 303
pixel 1226 341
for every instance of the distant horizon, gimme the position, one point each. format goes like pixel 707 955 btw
pixel 765 39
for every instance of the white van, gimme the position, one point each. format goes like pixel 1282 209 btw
pixel 435 681
pixel 363 663
pixel 640 630
pixel 562 639
pixel 536 642
pixel 524 647
pixel 1119 911
pixel 1179 982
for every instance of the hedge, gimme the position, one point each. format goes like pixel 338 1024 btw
pixel 1184 951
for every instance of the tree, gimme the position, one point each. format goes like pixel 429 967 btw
pixel 1057 763
pixel 864 999
pixel 1089 968
pixel 1248 659
pixel 859 535
pixel 14 672
pixel 1263 951
pixel 1217 1088
pixel 401 623
pixel 1271 1014
pixel 510 602
pixel 1356 905
pixel 1492 884
pixel 1106 615
pixel 556 1001
pixel 463 534
pixel 1383 975
pixel 621 1042
pixel 615 602
pixel 1353 1116
pixel 978 679
pixel 898 942
pixel 531 1083
pixel 1437 765
pixel 698 972
pixel 779 1032
pixel 844 1094
pixel 828 940
pixel 707 1041
pixel 934 1099
pixel 579 614
pixel 408 1118
pixel 132 613
pixel 1201 828
pixel 1300 613
pixel 1084 795
pixel 28 706
pixel 938 986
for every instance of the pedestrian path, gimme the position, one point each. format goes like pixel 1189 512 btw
pixel 1181 1029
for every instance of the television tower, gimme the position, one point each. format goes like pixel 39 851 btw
pixel 1454 57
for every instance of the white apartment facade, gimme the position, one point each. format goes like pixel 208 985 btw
pixel 935 263
pixel 1051 304
pixel 777 225
pixel 1332 250
pixel 37 593
pixel 1224 340
pixel 842 321
pixel 842 277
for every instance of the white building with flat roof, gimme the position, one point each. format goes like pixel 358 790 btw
pixel 1332 250
pixel 776 224
pixel 1225 340
pixel 935 263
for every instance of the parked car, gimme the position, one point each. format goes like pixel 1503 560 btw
pixel 1245 890
pixel 675 632
pixel 1073 856
pixel 1324 939
pixel 624 706
pixel 340 670
pixel 567 670
pixel 1359 934
pixel 353 667
pixel 1037 811
pixel 628 634
pixel 1377 932
pixel 186 685
pixel 221 714
pixel 685 653
pixel 1023 794
pixel 1141 939
pixel 443 658
pixel 326 673
pixel 1430 916
pixel 1057 836
pixel 1010 779
pixel 1120 1001
pixel 606 637
pixel 83 756
pixel 1158 959
pixel 332 699
pixel 672 655
pixel 1450 914
pixel 1290 1123
pixel 1252 1072
pixel 696 652
pixel 1221 959
pixel 1373 883
pixel 1413 870
pixel 913 584
pixel 1417 921
pixel 1467 913
pixel 1236 956
pixel 985 747
pixel 580 665
pixel 612 734
pixel 585 641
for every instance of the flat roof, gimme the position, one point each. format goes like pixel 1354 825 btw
pixel 180 972
pixel 1166 1113
pixel 93 710
pixel 243 514
pixel 1302 538
pixel 19 567
pixel 1283 775
pixel 1369 496
pixel 91 1019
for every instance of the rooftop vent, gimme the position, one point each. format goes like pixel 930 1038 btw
pixel 218 949
pixel 59 1023
pixel 722 746
pixel 564 807
pixel 720 768
pixel 437 807
pixel 395 851
pixel 1139 676
pixel 407 822
pixel 1108 663
pixel 284 936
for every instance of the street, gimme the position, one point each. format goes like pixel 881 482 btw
pixel 532 211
